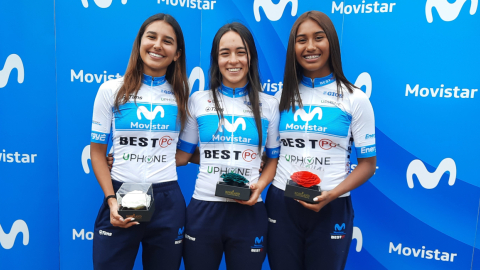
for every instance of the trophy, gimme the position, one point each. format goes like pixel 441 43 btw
pixel 304 183
pixel 135 200
pixel 234 183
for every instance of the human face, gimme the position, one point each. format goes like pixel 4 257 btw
pixel 312 50
pixel 233 60
pixel 158 48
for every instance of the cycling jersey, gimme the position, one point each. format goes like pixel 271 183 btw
pixel 232 142
pixel 144 131
pixel 322 132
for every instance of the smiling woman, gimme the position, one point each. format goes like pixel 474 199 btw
pixel 145 111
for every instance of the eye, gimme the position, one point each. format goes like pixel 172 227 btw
pixel 168 41
pixel 150 37
pixel 242 52
pixel 301 40
pixel 320 37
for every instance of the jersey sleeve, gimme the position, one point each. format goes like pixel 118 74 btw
pixel 189 136
pixel 363 125
pixel 272 146
pixel 102 115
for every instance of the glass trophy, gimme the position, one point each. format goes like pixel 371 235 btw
pixel 304 183
pixel 234 182
pixel 135 200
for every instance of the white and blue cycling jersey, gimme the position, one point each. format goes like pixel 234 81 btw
pixel 322 132
pixel 232 142
pixel 144 131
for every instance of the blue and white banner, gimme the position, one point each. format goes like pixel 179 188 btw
pixel 416 60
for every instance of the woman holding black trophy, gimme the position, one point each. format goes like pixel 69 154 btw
pixel 322 113
pixel 145 110
pixel 233 122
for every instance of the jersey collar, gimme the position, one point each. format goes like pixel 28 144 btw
pixel 239 91
pixel 153 81
pixel 317 82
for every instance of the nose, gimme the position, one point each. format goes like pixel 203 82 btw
pixel 310 46
pixel 233 59
pixel 157 45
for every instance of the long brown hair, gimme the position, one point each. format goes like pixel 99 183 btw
pixel 254 87
pixel 294 71
pixel 176 72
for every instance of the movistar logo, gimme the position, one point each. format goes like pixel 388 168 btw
pixel 430 180
pixel 180 230
pixel 308 116
pixel 339 227
pixel 365 79
pixel 448 11
pixel 148 114
pixel 273 11
pixel 231 127
pixel 258 241
pixel 8 239
pixel 85 158
pixel 13 61
pixel 101 3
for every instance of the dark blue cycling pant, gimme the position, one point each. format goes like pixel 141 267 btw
pixel 214 228
pixel 302 239
pixel 162 238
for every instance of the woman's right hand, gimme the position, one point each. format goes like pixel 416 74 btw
pixel 118 220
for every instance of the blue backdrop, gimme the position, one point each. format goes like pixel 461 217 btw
pixel 417 60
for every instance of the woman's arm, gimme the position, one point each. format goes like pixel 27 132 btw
pixel 100 168
pixel 182 157
pixel 266 178
pixel 365 169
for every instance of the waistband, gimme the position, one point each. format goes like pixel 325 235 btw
pixel 157 187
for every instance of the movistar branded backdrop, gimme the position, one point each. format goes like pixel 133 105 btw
pixel 416 60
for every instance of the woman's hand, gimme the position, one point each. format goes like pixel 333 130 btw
pixel 323 200
pixel 118 220
pixel 256 191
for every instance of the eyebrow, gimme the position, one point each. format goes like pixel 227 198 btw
pixel 319 32
pixel 227 49
pixel 167 37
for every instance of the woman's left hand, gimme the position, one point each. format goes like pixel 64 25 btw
pixel 253 197
pixel 323 200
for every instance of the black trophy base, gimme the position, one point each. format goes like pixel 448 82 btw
pixel 295 191
pixel 232 191
pixel 139 215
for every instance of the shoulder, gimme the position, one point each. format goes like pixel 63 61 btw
pixel 268 99
pixel 111 86
pixel 278 95
pixel 199 96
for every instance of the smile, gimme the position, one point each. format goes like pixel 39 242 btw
pixel 312 56
pixel 233 69
pixel 155 55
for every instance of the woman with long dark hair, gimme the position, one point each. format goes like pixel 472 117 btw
pixel 322 114
pixel 234 123
pixel 145 110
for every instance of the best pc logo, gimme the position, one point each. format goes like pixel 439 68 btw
pixel 273 11
pixel 430 180
pixel 308 116
pixel 8 239
pixel 232 127
pixel 101 3
pixel 448 12
pixel 13 61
